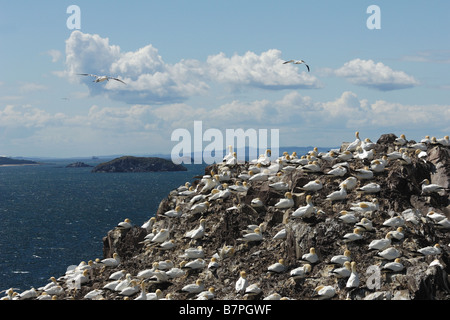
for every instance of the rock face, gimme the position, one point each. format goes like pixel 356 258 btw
pixel 138 164
pixel 78 165
pixel 226 219
pixel 10 161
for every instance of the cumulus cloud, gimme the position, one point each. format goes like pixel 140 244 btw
pixel 151 80
pixel 373 75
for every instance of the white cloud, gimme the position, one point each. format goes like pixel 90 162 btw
pixel 56 55
pixel 150 80
pixel 373 75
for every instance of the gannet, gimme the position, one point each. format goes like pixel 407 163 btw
pixel 398 233
pixel 390 253
pixel 365 206
pixel 394 222
pixel 200 207
pixel 111 262
pixel 347 217
pixel 257 203
pixel 300 272
pixel 381 244
pixel 188 193
pixel 377 166
pixel 329 156
pixel 426 139
pixel 325 292
pixel 157 295
pixel 148 225
pixel 43 296
pixel 297 62
pixel 253 236
pixel 430 250
pixel 444 223
pixel 55 290
pixel 285 203
pixel 344 156
pixel 193 253
pixel 196 287
pixel 229 155
pixel 341 258
pixel 305 211
pixel 350 183
pixel 93 294
pixel 198 232
pixel 198 263
pixel 313 166
pixel 434 216
pixel 344 271
pixel 167 245
pixel 353 280
pixel 352 146
pixel 363 174
pixel 370 188
pixel 394 155
pixel 401 141
pixel 241 283
pixel 253 289
pixel 338 195
pixel 147 273
pixel 280 234
pixel 161 236
pixel 126 224
pixel 367 144
pixel 159 276
pixel 100 78
pixel 206 295
pixel 395 266
pixel 428 187
pixel 364 225
pixel 353 236
pixel 264 159
pixel 261 176
pixel 117 275
pixel 311 257
pixel 273 296
pixel 445 141
pixel 361 154
pixel 165 264
pixel 277 267
pixel 337 172
pixel 280 186
pixel 240 187
pixel 174 272
pixel 314 185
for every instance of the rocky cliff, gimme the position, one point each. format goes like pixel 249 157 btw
pixel 138 164
pixel 302 237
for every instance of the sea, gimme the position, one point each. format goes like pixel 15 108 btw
pixel 52 216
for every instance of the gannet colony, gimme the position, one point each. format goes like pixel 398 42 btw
pixel 367 221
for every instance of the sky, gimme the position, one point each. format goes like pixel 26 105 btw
pixel 219 63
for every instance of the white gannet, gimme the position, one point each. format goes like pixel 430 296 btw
pixel 148 225
pixel 229 155
pixel 377 165
pixel 390 253
pixel 277 267
pixel 175 272
pixel 165 264
pixel 200 207
pixel 341 258
pixel 121 284
pixel 347 217
pixel 394 222
pixel 314 185
pixel 367 144
pixel 213 264
pixel 305 211
pixel 395 266
pixel 100 78
pixel 253 289
pixel 364 225
pixel 117 275
pixel 350 183
pixel 444 223
pixel 147 273
pixel 297 62
pixel 300 272
pixel 174 213
pixel 273 296
pixel 198 232
pixel 43 296
pixel 253 236
pixel 93 294
pixel 363 174
pixel 261 176
pixel 257 203
pixel 370 188
pixel 167 245
pixel 340 171
pixel 161 236
pixel 111 262
pixel 312 166
pixel 239 187
pixel 282 234
pixel 426 139
pixel 159 276
pixel 353 236
pixel 365 206
pixel 193 253
pixel 325 292
pixel 206 295
pixel 264 159
pixel 131 289
pixel 241 283
pixel 28 294
pixel 430 250
pixel 198 263
pixel 434 216
pixel 428 187
pixel 353 280
pixel 157 295
pixel 361 154
pixel 285 203
pixel 344 271
pixel 394 155
pixel 344 156
pixel 311 256
pixel 398 233
pixel 126 224
pixel 280 186
pixel 352 146
pixel 338 195
pixel 400 141
pixel 445 141
pixel 55 290
pixel 381 244
pixel 196 287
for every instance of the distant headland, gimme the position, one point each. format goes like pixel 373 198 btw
pixel 5 161
pixel 138 164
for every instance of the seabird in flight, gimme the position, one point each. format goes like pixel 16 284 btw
pixel 100 78
pixel 297 62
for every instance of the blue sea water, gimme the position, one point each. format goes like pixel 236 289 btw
pixel 52 216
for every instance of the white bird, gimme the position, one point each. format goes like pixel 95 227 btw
pixel 279 186
pixel 206 295
pixel 157 295
pixel 174 273
pixel 100 78
pixel 313 166
pixel 126 224
pixel 381 244
pixel 305 211
pixel 370 188
pixel 394 222
pixel 273 296
pixel 434 216
pixel 398 233
pixel 365 206
pixel 431 250
pixel 341 258
pixel 390 253
pixel 353 280
pixel 344 271
pixel 314 185
pixel 377 165
pixel 337 172
pixel 344 156
pixel 364 225
pixel 428 187
pixel 196 287
pixel 257 203
pixel 353 236
pixel 117 275
pixel 148 225
pixel 395 266
pixel 111 262
pixel 253 236
pixel 198 263
pixel 93 294
pixel 242 282
pixel 174 213
pixel 300 272
pixel 277 267
pixel 445 141
pixel 167 245
pixel 280 234
pixel 444 223
pixel 200 207
pixel 285 203
pixel 193 253
pixel 161 236
pixel 253 289
pixel 400 141
pixel 347 217
pixel 197 233
pixel 363 174
pixel 325 292
pixel 350 183
pixel 338 195
pixel 297 62
pixel 311 257
pixel 352 146
pixel 131 289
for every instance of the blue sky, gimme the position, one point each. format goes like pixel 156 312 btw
pixel 219 62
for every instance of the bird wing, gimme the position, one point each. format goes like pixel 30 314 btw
pixel 290 61
pixel 307 66
pixel 87 74
pixel 117 80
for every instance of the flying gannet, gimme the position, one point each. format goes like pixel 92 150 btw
pixel 100 78
pixel 297 62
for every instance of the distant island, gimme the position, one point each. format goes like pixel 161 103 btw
pixel 138 164
pixel 78 165
pixel 5 161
